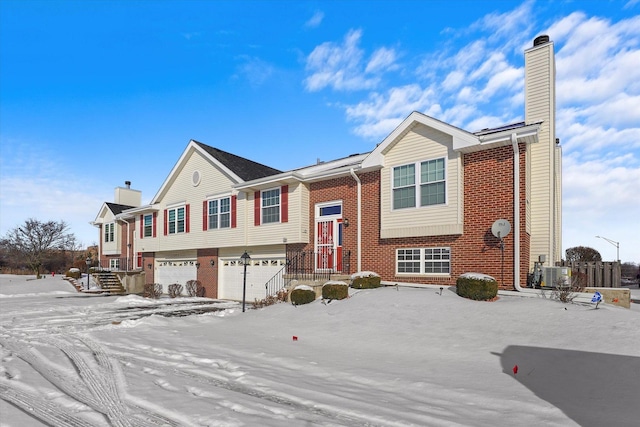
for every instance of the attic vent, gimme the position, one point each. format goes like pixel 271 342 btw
pixel 541 40
pixel 195 178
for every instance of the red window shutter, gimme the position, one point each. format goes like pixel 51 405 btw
pixel 204 215
pixel 284 203
pixel 153 232
pixel 166 218
pixel 186 218
pixel 234 203
pixel 142 226
pixel 256 208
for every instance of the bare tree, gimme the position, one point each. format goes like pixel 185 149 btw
pixel 34 241
pixel 583 254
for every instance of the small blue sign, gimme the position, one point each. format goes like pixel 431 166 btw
pixel 597 297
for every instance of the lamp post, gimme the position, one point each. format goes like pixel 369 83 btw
pixel 245 258
pixel 614 243
pixel 88 261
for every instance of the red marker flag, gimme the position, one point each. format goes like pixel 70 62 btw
pixel 515 369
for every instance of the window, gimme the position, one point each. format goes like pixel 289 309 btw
pixel 432 182
pixel 220 213
pixel 176 220
pixel 432 188
pixel 148 225
pixel 423 261
pixel 271 206
pixel 109 232
pixel 408 260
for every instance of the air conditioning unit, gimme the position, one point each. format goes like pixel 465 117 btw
pixel 555 276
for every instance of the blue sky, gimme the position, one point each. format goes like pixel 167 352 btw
pixel 93 93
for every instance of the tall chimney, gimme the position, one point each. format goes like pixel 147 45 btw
pixel 545 172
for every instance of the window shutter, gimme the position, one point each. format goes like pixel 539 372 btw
pixel 142 226
pixel 186 218
pixel 234 203
pixel 204 215
pixel 166 218
pixel 256 208
pixel 284 203
pixel 153 232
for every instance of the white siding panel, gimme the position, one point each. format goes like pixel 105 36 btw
pixel 539 102
pixel 294 231
pixel 181 190
pixel 422 143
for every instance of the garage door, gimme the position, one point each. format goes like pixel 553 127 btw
pixel 259 271
pixel 175 272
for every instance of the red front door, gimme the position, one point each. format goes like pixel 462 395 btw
pixel 329 245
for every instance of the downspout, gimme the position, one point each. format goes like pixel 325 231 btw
pixel 353 174
pixel 516 213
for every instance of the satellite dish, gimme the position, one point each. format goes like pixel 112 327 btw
pixel 501 228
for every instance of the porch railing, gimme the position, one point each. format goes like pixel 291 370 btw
pixel 119 264
pixel 301 265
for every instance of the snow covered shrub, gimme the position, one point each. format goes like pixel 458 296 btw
pixel 175 290
pixel 302 294
pixel 335 290
pixel 365 280
pixel 152 290
pixel 74 273
pixel 479 287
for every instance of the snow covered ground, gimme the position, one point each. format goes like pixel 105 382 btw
pixel 383 357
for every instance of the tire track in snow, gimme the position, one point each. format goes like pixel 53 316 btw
pixel 37 407
pixel 315 413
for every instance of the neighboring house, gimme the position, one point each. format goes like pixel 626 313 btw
pixel 419 208
pixel 115 242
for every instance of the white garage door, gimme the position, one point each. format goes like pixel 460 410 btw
pixel 259 271
pixel 168 273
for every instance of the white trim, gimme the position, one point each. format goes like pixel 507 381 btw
pixel 418 185
pixel 422 262
pixel 193 146
pixel 279 188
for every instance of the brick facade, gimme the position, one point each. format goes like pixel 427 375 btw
pixel 488 196
pixel 208 274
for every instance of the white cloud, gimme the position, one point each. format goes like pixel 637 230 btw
pixel 315 20
pixel 255 70
pixel 342 67
pixel 381 60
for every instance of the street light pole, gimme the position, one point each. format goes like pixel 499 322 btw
pixel 614 243
pixel 245 261
pixel 88 261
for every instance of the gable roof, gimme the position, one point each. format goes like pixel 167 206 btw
pixel 116 208
pixel 463 141
pixel 236 168
pixel 245 169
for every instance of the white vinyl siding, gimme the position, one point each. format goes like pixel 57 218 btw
pixel 540 106
pixel 423 144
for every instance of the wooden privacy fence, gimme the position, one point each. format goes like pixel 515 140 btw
pixel 597 274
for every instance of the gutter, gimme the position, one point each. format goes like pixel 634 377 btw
pixel 353 174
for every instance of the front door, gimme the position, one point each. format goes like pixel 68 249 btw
pixel 328 245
